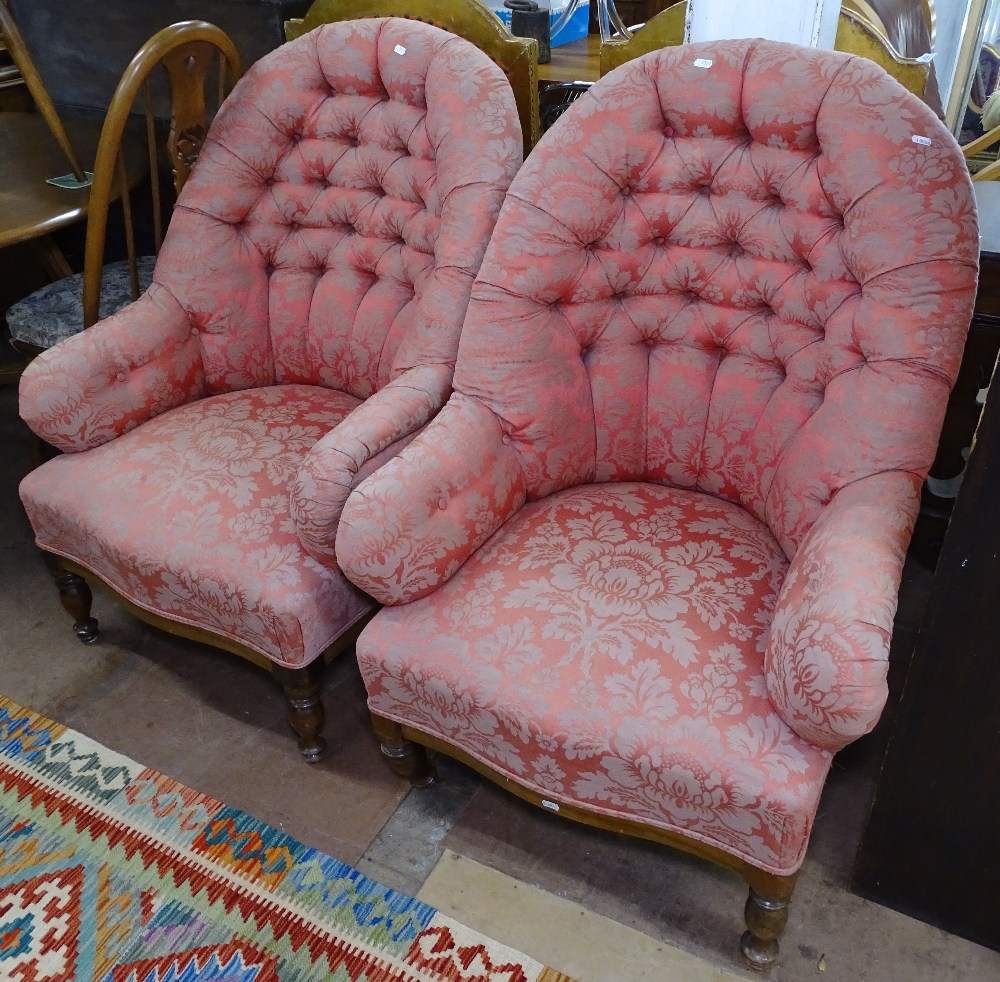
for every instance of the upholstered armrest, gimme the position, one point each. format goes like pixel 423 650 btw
pixel 411 525
pixel 371 435
pixel 827 656
pixel 117 374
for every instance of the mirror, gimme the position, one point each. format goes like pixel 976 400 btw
pixel 971 111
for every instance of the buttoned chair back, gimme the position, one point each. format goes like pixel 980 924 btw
pixel 719 299
pixel 517 57
pixel 644 564
pixel 302 324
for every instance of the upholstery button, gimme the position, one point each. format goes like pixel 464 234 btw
pixel 269 182
pixel 505 440
pixel 442 503
pixel 294 226
pixel 296 137
pixel 120 377
pixel 269 269
pixel 194 332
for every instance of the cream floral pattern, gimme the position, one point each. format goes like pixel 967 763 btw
pixel 570 662
pixel 646 558
pixel 301 327
pixel 189 516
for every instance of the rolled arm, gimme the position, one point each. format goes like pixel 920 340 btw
pixel 406 529
pixel 371 435
pixel 827 656
pixel 124 370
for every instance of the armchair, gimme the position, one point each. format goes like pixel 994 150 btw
pixel 301 326
pixel 642 568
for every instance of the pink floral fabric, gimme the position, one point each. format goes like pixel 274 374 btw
pixel 692 282
pixel 828 655
pixel 188 516
pixel 736 276
pixel 606 648
pixel 462 483
pixel 321 254
pixel 358 447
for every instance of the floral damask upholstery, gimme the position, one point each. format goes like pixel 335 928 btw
pixel 301 326
pixel 644 563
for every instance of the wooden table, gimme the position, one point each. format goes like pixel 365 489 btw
pixel 29 207
pixel 577 61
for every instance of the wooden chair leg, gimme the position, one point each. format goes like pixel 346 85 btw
pixel 766 915
pixel 305 705
pixel 76 598
pixel 404 757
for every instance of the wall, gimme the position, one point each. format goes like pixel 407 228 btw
pixel 81 49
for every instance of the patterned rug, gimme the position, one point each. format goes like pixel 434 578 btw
pixel 112 872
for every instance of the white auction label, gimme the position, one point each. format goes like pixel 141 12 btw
pixel 399 49
pixel 703 63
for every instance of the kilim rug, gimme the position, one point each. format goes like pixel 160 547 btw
pixel 112 872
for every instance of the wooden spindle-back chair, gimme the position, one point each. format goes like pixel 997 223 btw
pixel 199 64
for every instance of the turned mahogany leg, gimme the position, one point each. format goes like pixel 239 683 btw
pixel 305 707
pixel 766 914
pixel 76 598
pixel 405 758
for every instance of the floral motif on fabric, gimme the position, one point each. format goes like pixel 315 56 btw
pixel 606 648
pixel 188 516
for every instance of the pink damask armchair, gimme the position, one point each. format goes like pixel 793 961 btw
pixel 302 325
pixel 642 568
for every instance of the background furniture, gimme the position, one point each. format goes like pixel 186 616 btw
pixel 199 65
pixel 587 60
pixel 642 568
pixel 82 57
pixel 930 847
pixel 854 35
pixel 981 349
pixel 469 19
pixel 16 48
pixel 317 267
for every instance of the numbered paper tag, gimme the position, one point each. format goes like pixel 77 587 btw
pixel 551 805
pixel 703 63
pixel 399 49
pixel 924 141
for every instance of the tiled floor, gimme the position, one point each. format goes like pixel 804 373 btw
pixel 592 904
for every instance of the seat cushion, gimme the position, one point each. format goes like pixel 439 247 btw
pixel 188 517
pixel 605 648
pixel 55 311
